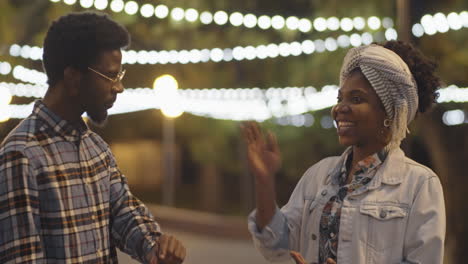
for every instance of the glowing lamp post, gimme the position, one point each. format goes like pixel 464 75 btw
pixel 166 87
pixel 5 99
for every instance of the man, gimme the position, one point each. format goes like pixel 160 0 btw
pixel 62 197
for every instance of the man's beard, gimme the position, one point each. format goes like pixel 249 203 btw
pixel 97 119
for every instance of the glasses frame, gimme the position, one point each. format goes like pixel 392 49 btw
pixel 115 80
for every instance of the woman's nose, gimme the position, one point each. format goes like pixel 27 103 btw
pixel 341 107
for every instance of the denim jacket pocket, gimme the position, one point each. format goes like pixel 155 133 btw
pixel 384 223
pixel 383 212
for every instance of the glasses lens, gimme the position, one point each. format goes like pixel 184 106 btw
pixel 120 76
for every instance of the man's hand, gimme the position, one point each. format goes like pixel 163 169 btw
pixel 171 251
pixel 298 258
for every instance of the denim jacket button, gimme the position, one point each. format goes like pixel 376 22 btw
pixel 314 237
pixel 383 214
pixel 324 192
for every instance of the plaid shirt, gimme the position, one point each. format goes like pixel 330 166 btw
pixel 63 199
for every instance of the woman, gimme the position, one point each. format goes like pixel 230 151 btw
pixel 372 204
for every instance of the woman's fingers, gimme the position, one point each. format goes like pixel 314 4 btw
pixel 246 133
pixel 252 134
pixel 256 132
pixel 249 132
pixel 272 142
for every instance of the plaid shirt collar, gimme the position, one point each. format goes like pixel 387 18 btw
pixel 70 131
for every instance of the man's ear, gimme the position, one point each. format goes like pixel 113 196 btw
pixel 72 80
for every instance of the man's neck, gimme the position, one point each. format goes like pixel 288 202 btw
pixel 57 100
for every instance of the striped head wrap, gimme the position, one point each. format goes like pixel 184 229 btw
pixel 393 82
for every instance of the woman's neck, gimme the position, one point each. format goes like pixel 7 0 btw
pixel 360 153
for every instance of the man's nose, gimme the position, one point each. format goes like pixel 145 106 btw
pixel 118 87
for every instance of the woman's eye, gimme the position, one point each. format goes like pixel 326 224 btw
pixel 356 99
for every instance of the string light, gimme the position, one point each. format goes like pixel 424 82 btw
pixel 453 93
pixel 233 103
pixel 23 74
pixel 100 4
pixel 5 99
pixel 440 23
pixel 429 25
pixel 27 75
pixel 131 7
pixel 147 10
pixel 69 2
pixel 86 3
pixel 5 68
pixel 303 120
pixel 347 24
pixel 238 53
pixel 191 15
pixel 454 117
pixel 117 6
pixel 25 90
pixel 391 34
pixel 221 17
pixel 374 22
pixel 359 23
pixel 5 96
pixel 177 14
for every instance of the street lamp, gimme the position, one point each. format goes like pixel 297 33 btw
pixel 5 100
pixel 165 88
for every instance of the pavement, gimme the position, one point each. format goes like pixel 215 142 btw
pixel 208 238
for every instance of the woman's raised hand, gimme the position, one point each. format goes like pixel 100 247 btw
pixel 262 152
pixel 264 161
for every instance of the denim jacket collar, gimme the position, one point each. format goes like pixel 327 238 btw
pixel 390 172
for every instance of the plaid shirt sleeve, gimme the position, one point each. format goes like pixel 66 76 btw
pixel 134 230
pixel 19 211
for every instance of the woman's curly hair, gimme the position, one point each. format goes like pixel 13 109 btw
pixel 423 71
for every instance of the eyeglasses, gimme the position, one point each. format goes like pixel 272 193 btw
pixel 117 79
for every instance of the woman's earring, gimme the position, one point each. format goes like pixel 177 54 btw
pixel 387 122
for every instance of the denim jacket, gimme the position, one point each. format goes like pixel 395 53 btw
pixel 399 217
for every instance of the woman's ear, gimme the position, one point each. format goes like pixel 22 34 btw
pixel 72 80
